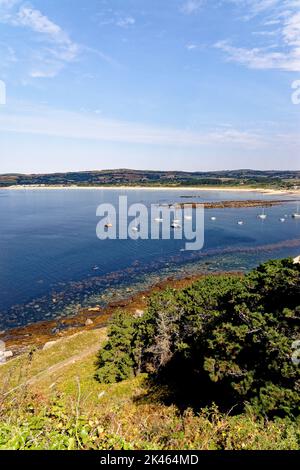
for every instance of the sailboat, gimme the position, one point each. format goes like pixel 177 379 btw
pixel 263 215
pixel 296 215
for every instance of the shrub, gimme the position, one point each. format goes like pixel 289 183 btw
pixel 225 339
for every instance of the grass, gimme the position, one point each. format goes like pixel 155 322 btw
pixel 63 407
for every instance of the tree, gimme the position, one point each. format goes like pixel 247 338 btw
pixel 226 339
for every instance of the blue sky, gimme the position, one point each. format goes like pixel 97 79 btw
pixel 149 84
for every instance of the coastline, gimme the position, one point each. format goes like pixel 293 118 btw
pixel 154 188
pixel 22 339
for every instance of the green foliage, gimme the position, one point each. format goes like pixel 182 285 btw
pixel 225 339
pixel 58 426
pixel 116 359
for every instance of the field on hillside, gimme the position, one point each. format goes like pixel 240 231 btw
pixel 50 400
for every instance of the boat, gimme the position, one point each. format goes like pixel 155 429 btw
pixel 175 225
pixel 213 218
pixel 158 220
pixel 262 216
pixel 296 215
pixel 188 217
pixel 240 222
pixel 135 229
pixel 282 219
pixel 108 225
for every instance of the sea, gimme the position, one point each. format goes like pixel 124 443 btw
pixel 52 263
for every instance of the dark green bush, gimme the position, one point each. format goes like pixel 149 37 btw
pixel 225 339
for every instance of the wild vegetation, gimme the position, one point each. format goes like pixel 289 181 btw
pixel 210 367
pixel 226 340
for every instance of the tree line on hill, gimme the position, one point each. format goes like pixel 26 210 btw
pixel 278 179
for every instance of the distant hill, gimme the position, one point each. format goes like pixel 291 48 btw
pixel 125 177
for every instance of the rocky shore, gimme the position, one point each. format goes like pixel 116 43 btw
pixel 42 334
pixel 233 204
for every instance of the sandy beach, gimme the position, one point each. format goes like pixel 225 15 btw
pixel 156 188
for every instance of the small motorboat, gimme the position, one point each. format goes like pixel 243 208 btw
pixel 240 222
pixel 282 219
pixel 135 229
pixel 108 225
pixel 213 219
pixel 175 225
pixel 158 220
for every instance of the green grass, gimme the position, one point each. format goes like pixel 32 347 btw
pixel 68 409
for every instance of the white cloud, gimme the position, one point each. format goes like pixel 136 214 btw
pixel 191 47
pixel 62 49
pixel 191 6
pixel 56 48
pixel 286 54
pixel 55 123
pixel 254 7
pixel 257 58
pixel 125 22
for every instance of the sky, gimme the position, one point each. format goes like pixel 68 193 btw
pixel 190 85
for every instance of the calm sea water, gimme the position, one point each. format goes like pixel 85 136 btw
pixel 51 261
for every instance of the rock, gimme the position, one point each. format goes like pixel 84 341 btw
pixel 139 313
pixel 49 345
pixel 89 322
pixel 8 354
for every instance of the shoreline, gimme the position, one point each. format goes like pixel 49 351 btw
pixel 22 339
pixel 153 188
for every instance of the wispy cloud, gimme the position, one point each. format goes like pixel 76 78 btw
pixel 60 48
pixel 255 7
pixel 65 49
pixel 56 123
pixel 191 47
pixel 125 22
pixel 285 55
pixel 191 6
pixel 55 47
